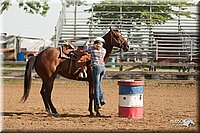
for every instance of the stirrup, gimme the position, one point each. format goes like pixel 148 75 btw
pixel 64 56
pixel 84 74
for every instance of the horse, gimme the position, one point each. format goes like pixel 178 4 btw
pixel 48 64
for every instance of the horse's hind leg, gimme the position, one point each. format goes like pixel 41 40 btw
pixel 49 88
pixel 46 96
pixel 43 92
pixel 53 109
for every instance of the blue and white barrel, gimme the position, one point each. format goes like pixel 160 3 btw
pixel 112 60
pixel 131 98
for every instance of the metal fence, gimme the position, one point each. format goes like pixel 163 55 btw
pixel 175 41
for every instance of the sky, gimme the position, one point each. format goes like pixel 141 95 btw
pixel 16 22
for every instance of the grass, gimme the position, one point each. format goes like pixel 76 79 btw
pixel 13 66
pixel 13 81
pixel 57 81
pixel 116 68
pixel 145 68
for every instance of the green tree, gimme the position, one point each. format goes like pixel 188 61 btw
pixel 33 7
pixel 137 16
pixel 36 6
pixel 158 13
pixel 73 2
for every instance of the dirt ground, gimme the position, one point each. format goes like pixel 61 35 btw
pixel 166 105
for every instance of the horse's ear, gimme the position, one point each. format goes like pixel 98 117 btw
pixel 116 30
pixel 110 28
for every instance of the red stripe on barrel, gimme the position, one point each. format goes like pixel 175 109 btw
pixel 130 83
pixel 131 112
pixel 131 98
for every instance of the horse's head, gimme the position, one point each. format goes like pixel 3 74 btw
pixel 117 40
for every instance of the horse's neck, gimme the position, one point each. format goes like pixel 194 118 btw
pixel 108 48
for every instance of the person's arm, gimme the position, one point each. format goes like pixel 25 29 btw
pixel 103 52
pixel 87 49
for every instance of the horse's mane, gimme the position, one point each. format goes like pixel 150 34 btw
pixel 109 31
pixel 106 33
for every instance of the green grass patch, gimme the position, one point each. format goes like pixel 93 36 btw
pixel 13 81
pixel 14 66
pixel 57 81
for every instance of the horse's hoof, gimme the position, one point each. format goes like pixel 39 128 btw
pixel 98 114
pixel 50 114
pixel 91 115
pixel 54 115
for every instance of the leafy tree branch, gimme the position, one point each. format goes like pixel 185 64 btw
pixel 36 6
pixel 158 13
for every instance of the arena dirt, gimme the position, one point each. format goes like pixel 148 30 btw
pixel 166 104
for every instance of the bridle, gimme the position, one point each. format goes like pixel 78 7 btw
pixel 117 41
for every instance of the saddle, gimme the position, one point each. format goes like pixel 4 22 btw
pixel 66 50
pixel 77 55
pixel 82 63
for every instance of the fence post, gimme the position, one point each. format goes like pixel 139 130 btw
pixel 156 49
pixel 191 43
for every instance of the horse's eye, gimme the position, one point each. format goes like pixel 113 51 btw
pixel 116 36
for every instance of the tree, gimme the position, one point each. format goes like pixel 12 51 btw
pixel 73 2
pixel 136 17
pixel 158 13
pixel 35 6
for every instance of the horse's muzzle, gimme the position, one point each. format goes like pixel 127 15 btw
pixel 125 47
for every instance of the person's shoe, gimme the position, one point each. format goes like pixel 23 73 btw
pixel 98 107
pixel 102 103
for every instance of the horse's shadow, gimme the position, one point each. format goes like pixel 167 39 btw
pixel 78 115
pixel 19 113
pixel 45 114
pixel 15 113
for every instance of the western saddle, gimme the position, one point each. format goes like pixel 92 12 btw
pixel 77 54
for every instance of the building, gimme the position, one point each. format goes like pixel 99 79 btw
pixel 12 45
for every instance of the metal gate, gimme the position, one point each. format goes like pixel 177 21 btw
pixel 174 41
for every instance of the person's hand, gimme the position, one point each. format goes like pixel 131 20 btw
pixel 86 43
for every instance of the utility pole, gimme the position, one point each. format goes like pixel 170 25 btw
pixel 75 11
pixel 121 53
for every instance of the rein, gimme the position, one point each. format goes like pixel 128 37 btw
pixel 117 41
pixel 112 37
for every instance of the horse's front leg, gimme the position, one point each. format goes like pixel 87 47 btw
pixel 91 97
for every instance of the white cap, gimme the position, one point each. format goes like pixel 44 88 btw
pixel 99 39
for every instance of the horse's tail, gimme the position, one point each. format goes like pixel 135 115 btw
pixel 27 78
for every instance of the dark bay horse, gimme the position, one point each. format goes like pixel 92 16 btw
pixel 48 64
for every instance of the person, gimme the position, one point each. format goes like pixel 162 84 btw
pixel 98 69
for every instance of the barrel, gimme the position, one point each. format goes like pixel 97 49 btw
pixel 112 60
pixel 131 98
pixel 20 56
